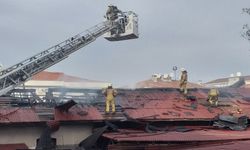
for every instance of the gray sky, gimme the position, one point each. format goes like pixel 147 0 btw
pixel 202 36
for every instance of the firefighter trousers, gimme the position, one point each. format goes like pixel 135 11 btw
pixel 183 87
pixel 110 101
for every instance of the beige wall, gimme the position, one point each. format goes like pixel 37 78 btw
pixel 42 86
pixel 247 82
pixel 34 83
pixel 218 84
pixel 66 135
pixel 27 135
pixel 72 134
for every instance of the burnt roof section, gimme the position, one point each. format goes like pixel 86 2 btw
pixel 171 105
pixel 71 111
pixel 66 106
pixel 79 113
pixel 162 104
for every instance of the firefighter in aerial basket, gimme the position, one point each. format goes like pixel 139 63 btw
pixel 112 12
pixel 213 97
pixel 110 95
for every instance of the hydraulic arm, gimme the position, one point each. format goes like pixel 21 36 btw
pixel 23 71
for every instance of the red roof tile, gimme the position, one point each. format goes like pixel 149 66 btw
pixel 196 135
pixel 161 105
pixel 20 146
pixel 171 109
pixel 58 76
pixel 223 145
pixel 169 105
pixel 237 92
pixel 143 104
pixel 18 115
pixel 78 113
pixel 235 145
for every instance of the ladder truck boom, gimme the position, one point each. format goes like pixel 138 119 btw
pixel 115 29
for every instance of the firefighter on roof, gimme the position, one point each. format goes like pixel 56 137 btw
pixel 110 95
pixel 213 96
pixel 183 81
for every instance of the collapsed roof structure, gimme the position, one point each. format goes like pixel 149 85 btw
pixel 145 119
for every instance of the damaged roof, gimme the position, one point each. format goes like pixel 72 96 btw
pixel 159 105
pixel 221 145
pixel 18 115
pixel 169 104
pixel 142 112
pixel 173 136
pixel 72 112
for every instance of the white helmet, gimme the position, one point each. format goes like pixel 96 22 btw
pixel 183 69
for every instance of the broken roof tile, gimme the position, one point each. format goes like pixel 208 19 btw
pixel 78 113
pixel 18 115
pixel 125 135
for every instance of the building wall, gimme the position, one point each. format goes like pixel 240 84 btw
pixel 230 82
pixel 66 135
pixel 247 82
pixel 27 135
pixel 34 83
pixel 41 87
pixel 72 134
pixel 233 80
pixel 218 84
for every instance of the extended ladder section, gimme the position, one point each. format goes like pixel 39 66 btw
pixel 21 72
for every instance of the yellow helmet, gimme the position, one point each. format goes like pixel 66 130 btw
pixel 109 85
pixel 183 69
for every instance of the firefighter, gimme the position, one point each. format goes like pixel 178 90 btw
pixel 213 97
pixel 112 13
pixel 108 12
pixel 183 81
pixel 110 95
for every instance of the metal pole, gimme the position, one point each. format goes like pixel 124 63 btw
pixel 175 69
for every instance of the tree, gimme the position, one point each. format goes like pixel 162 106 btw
pixel 246 30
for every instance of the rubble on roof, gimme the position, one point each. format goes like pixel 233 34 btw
pixel 72 112
pixel 149 116
pixel 231 122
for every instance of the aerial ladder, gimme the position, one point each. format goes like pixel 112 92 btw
pixel 123 26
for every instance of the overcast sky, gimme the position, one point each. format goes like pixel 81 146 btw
pixel 202 36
